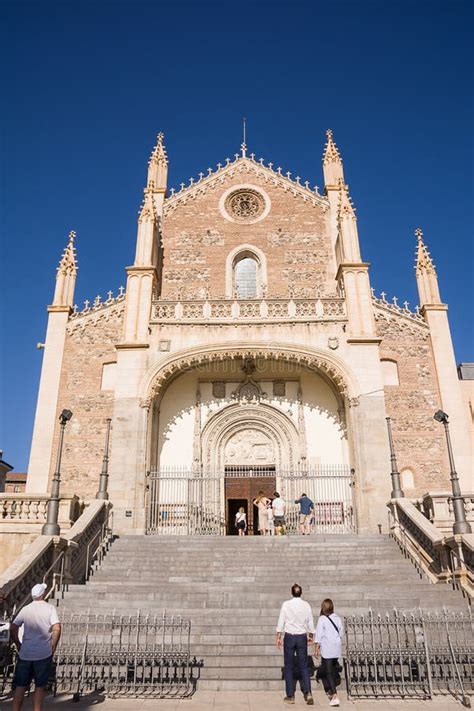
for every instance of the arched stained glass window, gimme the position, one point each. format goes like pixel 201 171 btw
pixel 246 278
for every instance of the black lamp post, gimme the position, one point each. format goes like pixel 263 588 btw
pixel 397 491
pixel 51 527
pixel 104 475
pixel 460 524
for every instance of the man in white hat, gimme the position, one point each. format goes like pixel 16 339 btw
pixel 41 633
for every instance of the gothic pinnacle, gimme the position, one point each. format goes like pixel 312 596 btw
pixel 331 153
pixel 68 263
pixel 424 261
pixel 158 165
pixel 332 163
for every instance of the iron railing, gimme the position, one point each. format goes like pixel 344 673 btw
pixel 410 655
pixel 138 655
pixel 184 502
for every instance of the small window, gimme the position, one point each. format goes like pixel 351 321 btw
pixel 390 372
pixel 246 277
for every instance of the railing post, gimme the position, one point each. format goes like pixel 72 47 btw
pixel 51 527
pixel 104 475
pixel 460 522
pixel 397 492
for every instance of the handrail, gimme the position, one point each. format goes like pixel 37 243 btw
pixel 433 554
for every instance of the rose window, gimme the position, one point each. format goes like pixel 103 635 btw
pixel 245 205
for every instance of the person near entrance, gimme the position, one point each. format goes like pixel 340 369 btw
pixel 261 502
pixel 278 506
pixel 241 521
pixel 295 630
pixel 306 509
pixel 41 633
pixel 328 638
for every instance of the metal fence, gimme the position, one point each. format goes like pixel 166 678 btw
pixel 137 655
pixel 410 655
pixel 182 502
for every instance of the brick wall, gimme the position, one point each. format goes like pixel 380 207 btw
pixel 293 237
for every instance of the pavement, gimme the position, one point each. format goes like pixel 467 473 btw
pixel 236 701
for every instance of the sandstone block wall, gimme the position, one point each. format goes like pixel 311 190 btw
pixel 90 343
pixel 419 440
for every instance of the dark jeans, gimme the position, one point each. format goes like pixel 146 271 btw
pixel 296 643
pixel 329 675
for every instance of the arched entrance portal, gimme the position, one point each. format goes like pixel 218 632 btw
pixel 221 431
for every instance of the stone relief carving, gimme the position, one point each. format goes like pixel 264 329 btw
pixel 279 387
pixel 249 446
pixel 218 389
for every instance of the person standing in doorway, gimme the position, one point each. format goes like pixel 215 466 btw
pixel 328 640
pixel 306 508
pixel 271 522
pixel 41 633
pixel 278 506
pixel 241 521
pixel 295 630
pixel 261 502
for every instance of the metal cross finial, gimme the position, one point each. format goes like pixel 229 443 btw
pixel 121 290
pixel 383 295
pixel 110 295
pixel 243 146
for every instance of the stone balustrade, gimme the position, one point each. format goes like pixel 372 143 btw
pixel 58 560
pixel 31 510
pixel 437 507
pixel 22 517
pixel 440 557
pixel 248 310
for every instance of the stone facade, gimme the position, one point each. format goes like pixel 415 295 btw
pixel 248 334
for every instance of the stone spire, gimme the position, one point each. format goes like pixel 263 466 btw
pixel 348 236
pixel 426 277
pixel 332 163
pixel 66 275
pixel 158 165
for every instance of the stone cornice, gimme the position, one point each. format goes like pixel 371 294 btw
pixel 130 346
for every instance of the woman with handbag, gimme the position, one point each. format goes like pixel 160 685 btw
pixel 328 639
pixel 241 521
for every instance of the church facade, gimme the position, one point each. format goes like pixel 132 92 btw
pixel 248 353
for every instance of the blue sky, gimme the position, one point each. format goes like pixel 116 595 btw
pixel 89 84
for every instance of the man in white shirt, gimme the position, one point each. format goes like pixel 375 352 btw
pixel 41 633
pixel 295 630
pixel 278 506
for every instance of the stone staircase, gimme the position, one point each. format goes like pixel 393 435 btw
pixel 232 588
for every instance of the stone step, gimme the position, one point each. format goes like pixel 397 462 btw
pixel 225 584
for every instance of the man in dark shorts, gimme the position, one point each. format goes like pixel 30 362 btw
pixel 41 633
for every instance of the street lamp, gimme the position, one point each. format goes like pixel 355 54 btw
pixel 104 475
pixel 460 524
pixel 51 527
pixel 397 491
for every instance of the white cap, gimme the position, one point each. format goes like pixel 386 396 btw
pixel 38 590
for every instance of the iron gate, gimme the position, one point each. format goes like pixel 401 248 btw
pixel 136 655
pixel 182 502
pixel 416 654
